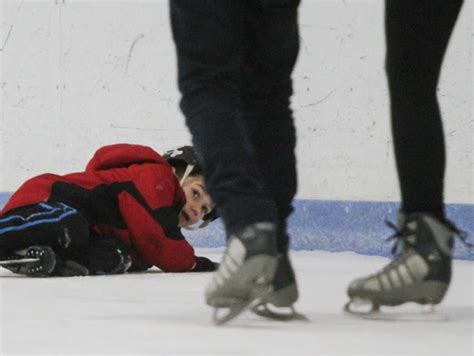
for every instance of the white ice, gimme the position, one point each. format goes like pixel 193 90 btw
pixel 157 313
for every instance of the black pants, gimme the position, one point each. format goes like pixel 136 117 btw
pixel 67 231
pixel 235 59
pixel 47 224
pixel 417 34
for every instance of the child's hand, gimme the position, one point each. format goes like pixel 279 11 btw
pixel 204 264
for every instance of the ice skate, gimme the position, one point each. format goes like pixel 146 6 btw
pixel 420 272
pixel 279 304
pixel 245 275
pixel 103 256
pixel 35 261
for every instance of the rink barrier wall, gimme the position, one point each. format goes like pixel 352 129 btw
pixel 337 226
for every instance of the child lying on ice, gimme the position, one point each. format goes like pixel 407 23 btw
pixel 124 212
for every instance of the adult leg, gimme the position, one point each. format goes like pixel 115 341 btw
pixel 209 39
pixel 271 49
pixel 417 37
pixel 417 34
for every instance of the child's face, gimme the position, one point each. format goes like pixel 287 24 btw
pixel 198 201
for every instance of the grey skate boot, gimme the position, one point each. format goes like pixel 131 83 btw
pixel 420 272
pixel 246 272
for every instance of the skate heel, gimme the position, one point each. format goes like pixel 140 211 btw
pixel 437 291
pixel 279 303
pixel 283 297
pixel 285 291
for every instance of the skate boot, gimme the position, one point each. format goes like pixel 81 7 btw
pixel 109 256
pixel 420 271
pixel 103 256
pixel 246 272
pixel 35 261
pixel 284 295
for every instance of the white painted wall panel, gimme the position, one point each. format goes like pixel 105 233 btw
pixel 80 74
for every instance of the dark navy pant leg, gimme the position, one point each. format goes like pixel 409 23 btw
pixel 47 224
pixel 210 45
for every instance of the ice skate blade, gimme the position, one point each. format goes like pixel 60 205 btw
pixel 233 311
pixel 265 311
pixel 19 261
pixel 406 313
pixel 235 306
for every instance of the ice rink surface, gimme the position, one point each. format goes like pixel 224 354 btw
pixel 156 313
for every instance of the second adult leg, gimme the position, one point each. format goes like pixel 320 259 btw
pixel 272 44
pixel 417 36
pixel 210 62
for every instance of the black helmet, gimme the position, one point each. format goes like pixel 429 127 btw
pixel 186 158
pixel 182 157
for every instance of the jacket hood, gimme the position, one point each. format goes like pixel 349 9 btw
pixel 122 155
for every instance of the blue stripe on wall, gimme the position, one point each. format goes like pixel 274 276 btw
pixel 345 226
pixel 340 226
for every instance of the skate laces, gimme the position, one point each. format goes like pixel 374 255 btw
pixel 400 238
pixel 461 234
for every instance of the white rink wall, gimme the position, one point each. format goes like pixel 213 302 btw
pixel 80 74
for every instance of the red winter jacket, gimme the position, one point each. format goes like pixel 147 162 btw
pixel 128 191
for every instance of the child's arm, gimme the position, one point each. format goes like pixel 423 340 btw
pixel 204 264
